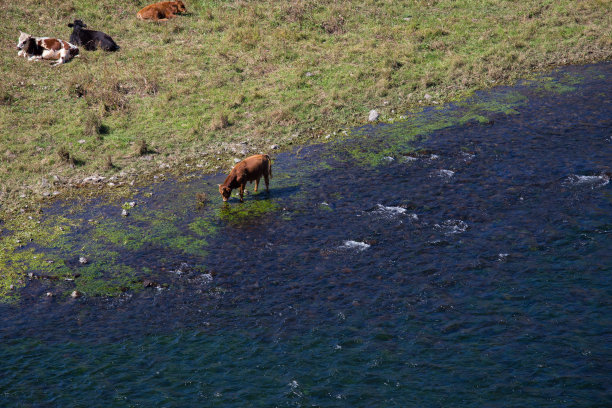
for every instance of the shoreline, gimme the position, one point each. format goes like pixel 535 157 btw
pixel 124 184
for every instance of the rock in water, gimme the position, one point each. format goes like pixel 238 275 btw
pixel 373 115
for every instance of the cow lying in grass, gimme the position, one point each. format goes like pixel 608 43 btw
pixel 91 40
pixel 250 169
pixel 37 48
pixel 162 11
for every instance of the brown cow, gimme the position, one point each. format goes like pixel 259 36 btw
pixel 250 169
pixel 162 11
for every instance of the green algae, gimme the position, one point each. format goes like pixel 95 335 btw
pixel 547 85
pixel 106 277
pixel 203 227
pixel 325 207
pixel 394 141
pixel 18 256
pixel 250 209
pixel 474 118
pixel 119 234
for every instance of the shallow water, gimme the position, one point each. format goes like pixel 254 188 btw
pixel 467 266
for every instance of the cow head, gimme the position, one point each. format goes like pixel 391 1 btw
pixel 23 39
pixel 77 23
pixel 179 7
pixel 225 192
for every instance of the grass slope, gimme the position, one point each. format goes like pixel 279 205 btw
pixel 231 78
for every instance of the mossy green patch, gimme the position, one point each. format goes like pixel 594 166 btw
pixel 235 213
pixel 551 85
pixel 18 257
pixel 120 234
pixel 473 117
pixel 106 276
pixel 204 227
pixel 391 142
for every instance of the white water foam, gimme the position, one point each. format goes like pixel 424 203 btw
pixel 593 181
pixel 445 174
pixel 467 156
pixel 388 211
pixel 359 246
pixel 206 278
pixel 450 227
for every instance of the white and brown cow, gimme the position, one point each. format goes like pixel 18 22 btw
pixel 38 48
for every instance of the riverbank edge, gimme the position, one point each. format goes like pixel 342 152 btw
pixel 125 184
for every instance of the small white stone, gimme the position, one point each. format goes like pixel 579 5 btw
pixel 124 212
pixel 83 260
pixel 82 141
pixel 373 115
pixel 237 160
pixel 428 97
pixel 274 147
pixel 75 294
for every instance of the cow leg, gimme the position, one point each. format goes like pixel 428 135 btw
pixel 242 192
pixel 256 184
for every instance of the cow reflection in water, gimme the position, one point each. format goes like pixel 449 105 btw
pixel 250 169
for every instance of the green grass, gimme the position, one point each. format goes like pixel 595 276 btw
pixel 274 72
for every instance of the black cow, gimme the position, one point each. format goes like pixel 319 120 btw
pixel 91 39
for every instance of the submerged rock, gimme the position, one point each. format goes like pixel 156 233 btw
pixel 147 283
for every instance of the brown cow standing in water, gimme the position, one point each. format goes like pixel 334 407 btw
pixel 161 11
pixel 250 169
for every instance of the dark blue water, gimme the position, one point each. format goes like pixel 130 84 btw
pixel 469 267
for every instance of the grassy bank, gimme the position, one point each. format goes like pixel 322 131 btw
pixel 232 78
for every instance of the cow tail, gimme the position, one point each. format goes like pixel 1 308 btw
pixel 269 166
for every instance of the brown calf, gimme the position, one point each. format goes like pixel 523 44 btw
pixel 250 169
pixel 161 11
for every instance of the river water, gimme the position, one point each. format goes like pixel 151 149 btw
pixel 466 265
